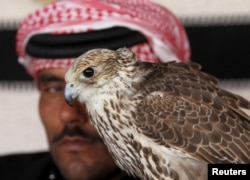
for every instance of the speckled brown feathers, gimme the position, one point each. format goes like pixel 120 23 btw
pixel 160 121
pixel 184 108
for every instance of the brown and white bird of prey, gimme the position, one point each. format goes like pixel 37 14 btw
pixel 160 121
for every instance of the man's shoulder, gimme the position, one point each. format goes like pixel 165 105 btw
pixel 25 159
pixel 25 165
pixel 23 156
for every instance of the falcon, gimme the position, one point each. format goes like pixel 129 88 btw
pixel 159 121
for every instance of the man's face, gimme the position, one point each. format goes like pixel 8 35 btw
pixel 74 143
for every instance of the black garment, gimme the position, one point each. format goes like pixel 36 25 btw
pixel 32 166
pixel 35 166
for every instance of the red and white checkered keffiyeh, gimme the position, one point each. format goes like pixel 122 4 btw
pixel 165 34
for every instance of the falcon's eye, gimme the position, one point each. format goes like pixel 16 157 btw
pixel 89 72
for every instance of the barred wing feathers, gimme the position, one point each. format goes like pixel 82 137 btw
pixel 186 110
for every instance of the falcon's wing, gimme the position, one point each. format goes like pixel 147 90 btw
pixel 188 112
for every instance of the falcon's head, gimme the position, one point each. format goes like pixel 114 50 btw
pixel 99 71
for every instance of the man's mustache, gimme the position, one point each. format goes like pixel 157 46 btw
pixel 76 131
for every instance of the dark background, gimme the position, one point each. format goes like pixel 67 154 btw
pixel 223 51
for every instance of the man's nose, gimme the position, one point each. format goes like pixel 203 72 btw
pixel 73 114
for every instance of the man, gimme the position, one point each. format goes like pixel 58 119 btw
pixel 47 42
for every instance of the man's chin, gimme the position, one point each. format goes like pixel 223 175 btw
pixel 76 170
pixel 72 162
pixel 83 165
pixel 80 159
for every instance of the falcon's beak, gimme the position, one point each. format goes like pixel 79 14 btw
pixel 69 94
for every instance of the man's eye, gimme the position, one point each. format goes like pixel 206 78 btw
pixel 89 72
pixel 54 88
